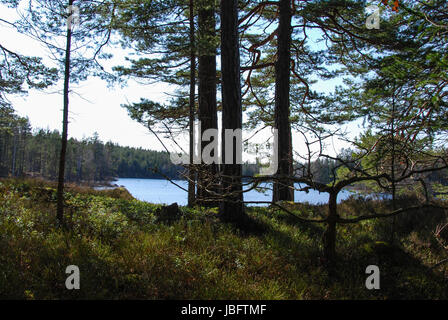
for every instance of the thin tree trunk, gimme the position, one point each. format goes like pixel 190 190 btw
pixel 232 208
pixel 22 167
pixel 79 167
pixel 60 193
pixel 329 237
pixel 191 171
pixel 284 188
pixel 14 152
pixel 207 94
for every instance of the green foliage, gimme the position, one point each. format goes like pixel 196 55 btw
pixel 46 21
pixel 163 54
pixel 19 72
pixel 441 191
pixel 124 254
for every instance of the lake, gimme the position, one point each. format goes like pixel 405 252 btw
pixel 164 192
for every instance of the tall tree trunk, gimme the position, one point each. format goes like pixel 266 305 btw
pixel 207 94
pixel 329 237
pixel 283 188
pixel 232 208
pixel 60 193
pixel 394 186
pixel 79 167
pixel 14 151
pixel 191 171
pixel 23 137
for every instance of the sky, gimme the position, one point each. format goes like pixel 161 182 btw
pixel 94 107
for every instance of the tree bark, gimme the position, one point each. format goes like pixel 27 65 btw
pixel 61 176
pixel 207 94
pixel 191 171
pixel 232 208
pixel 392 168
pixel 14 151
pixel 329 237
pixel 284 188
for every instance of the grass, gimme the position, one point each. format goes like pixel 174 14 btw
pixel 124 253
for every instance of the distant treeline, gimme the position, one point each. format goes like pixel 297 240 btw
pixel 27 152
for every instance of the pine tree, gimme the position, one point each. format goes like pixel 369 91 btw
pixel 232 207
pixel 48 21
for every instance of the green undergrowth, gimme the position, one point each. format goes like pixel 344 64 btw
pixel 124 253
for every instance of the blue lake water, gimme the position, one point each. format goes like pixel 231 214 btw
pixel 164 192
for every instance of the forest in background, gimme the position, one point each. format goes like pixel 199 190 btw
pixel 27 152
pixel 34 153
